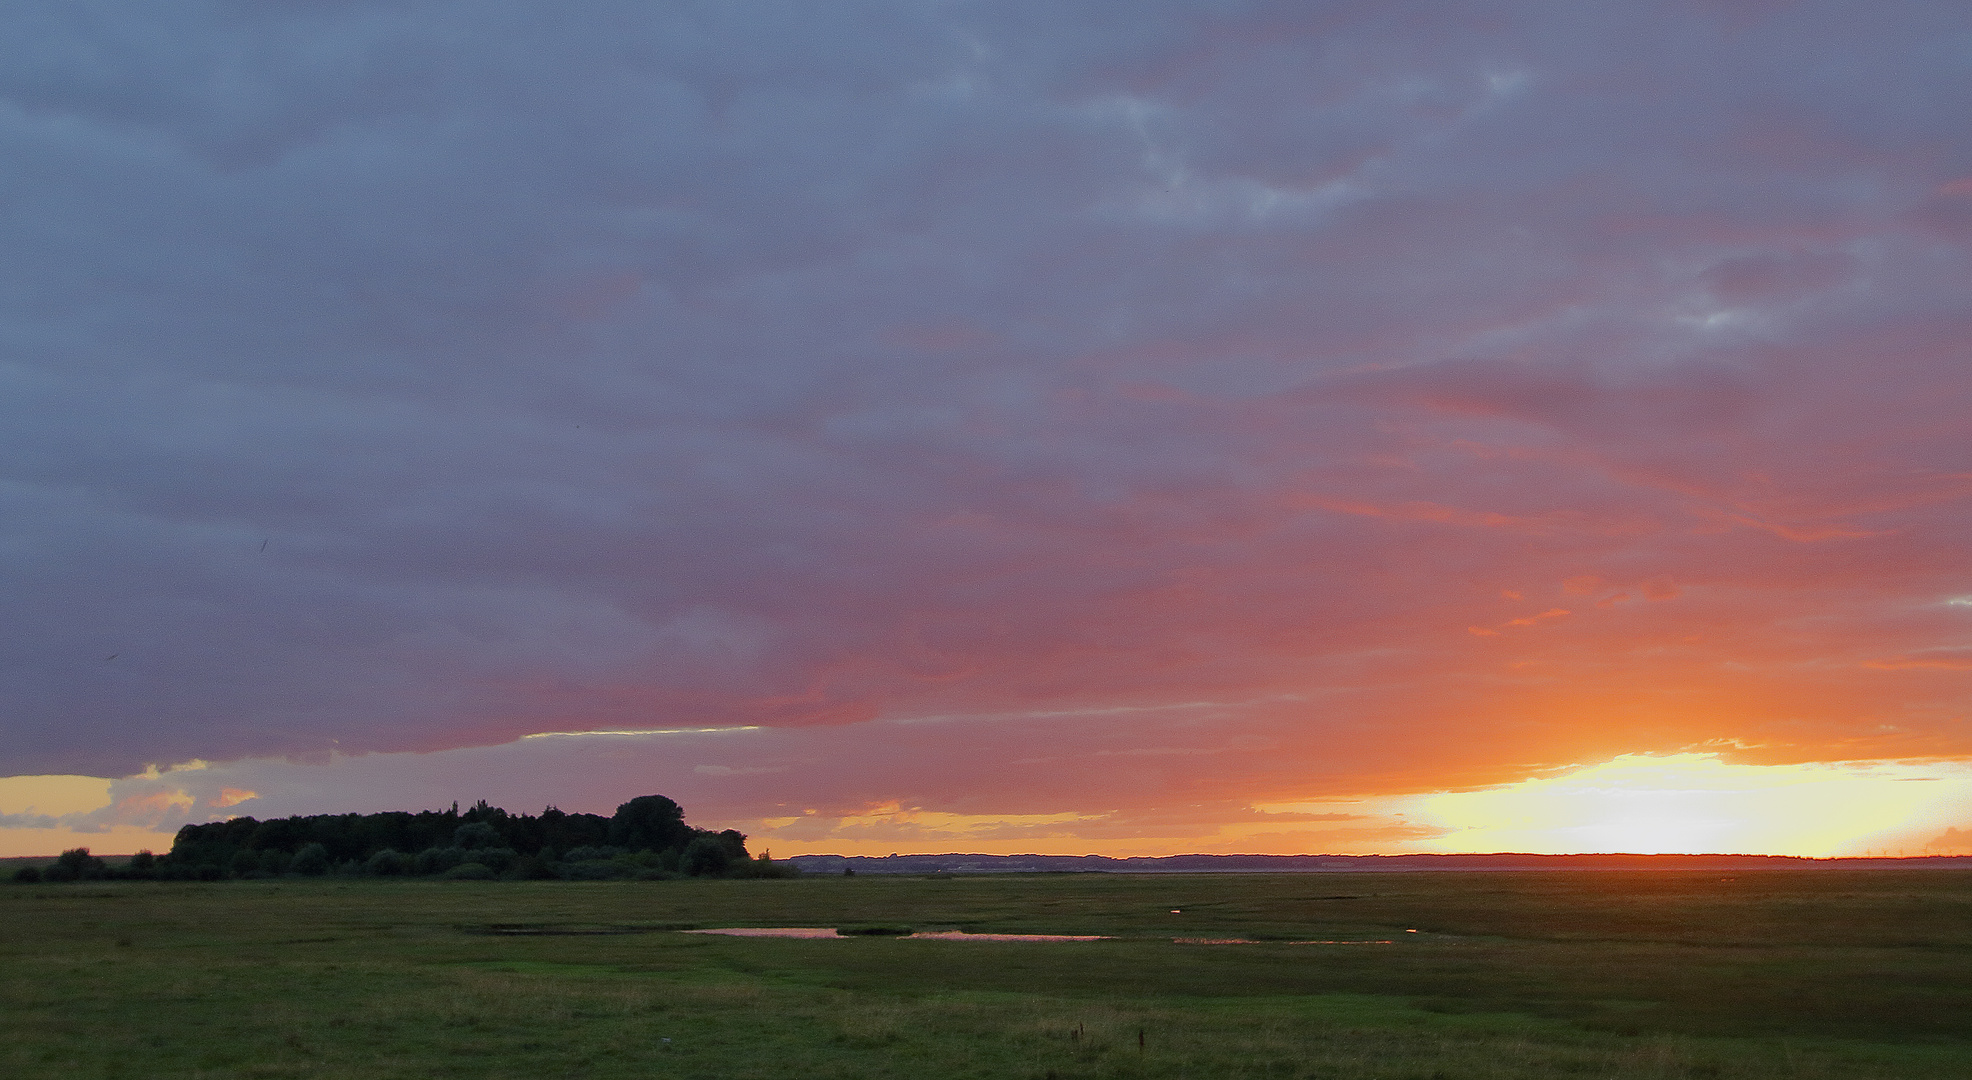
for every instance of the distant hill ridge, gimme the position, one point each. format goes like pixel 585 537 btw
pixel 1167 864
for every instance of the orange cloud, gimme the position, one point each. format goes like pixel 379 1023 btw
pixel 1953 841
pixel 1918 663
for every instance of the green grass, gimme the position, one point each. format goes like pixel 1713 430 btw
pixel 1632 975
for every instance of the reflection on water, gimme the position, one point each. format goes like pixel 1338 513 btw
pixel 772 931
pixel 932 935
pixel 1252 941
pixel 960 935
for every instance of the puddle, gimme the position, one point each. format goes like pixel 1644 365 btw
pixel 772 931
pixel 553 930
pixel 1253 941
pixel 928 935
pixel 960 935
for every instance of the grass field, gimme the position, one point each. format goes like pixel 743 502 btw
pixel 1574 974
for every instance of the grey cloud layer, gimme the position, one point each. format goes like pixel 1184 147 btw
pixel 395 376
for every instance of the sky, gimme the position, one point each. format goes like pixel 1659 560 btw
pixel 1039 425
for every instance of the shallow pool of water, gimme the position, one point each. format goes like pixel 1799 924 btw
pixel 771 931
pixel 960 935
pixel 1253 941
pixel 926 935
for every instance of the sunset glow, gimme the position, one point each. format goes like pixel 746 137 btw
pixel 1055 426
pixel 1696 803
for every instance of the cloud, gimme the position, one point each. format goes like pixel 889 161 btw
pixel 1953 841
pixel 392 380
pixel 52 796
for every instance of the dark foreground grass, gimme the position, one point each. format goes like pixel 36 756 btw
pixel 1820 974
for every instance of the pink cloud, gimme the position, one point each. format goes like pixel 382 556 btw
pixel 1107 417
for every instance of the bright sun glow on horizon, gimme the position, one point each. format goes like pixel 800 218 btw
pixel 1695 803
pixel 1636 803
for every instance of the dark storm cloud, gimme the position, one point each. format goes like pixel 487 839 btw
pixel 415 375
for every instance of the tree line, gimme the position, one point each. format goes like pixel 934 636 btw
pixel 647 838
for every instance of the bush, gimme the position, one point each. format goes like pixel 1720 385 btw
pixel 275 862
pixel 28 875
pixel 437 860
pixel 210 872
pixel 593 870
pixel 734 841
pixel 77 864
pixel 762 867
pixel 703 856
pixel 389 863
pixel 141 865
pixel 532 868
pixel 311 861
pixel 497 859
pixel 469 871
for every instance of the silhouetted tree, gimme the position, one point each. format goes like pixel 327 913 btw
pixel 481 811
pixel 649 823
pixel 562 831
pixel 647 837
pixel 75 864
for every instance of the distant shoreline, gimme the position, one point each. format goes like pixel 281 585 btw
pixel 1318 864
pixel 1302 864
